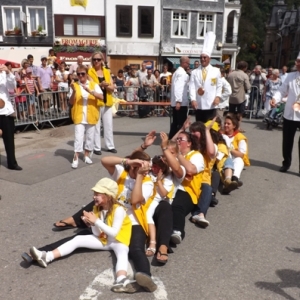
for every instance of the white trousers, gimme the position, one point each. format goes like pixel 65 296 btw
pixel 89 131
pixel 238 166
pixel 107 119
pixel 92 242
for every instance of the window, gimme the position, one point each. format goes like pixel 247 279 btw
pixel 66 25
pixel 124 20
pixel 180 24
pixel 205 24
pixel 37 19
pixel 88 26
pixel 146 21
pixel 11 17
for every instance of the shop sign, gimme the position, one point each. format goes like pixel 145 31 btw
pixel 187 49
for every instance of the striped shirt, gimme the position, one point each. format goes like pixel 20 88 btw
pixel 30 84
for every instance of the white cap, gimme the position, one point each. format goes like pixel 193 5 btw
pixel 298 57
pixel 209 42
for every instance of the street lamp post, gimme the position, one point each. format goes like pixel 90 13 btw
pixel 280 49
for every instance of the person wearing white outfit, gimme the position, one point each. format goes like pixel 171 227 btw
pixel 100 74
pixel 179 96
pixel 7 113
pixel 205 85
pixel 110 230
pixel 291 116
pixel 226 91
pixel 85 100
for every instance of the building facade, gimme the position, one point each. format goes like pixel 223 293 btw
pixel 79 29
pixel 25 27
pixel 132 33
pixel 184 24
pixel 282 41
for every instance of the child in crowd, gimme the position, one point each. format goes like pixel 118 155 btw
pixel 163 188
pixel 32 90
pixel 111 230
pixel 21 100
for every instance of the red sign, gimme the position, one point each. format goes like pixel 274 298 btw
pixel 72 57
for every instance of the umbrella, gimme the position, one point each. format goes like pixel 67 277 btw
pixel 13 64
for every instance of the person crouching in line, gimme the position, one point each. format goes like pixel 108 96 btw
pixel 85 100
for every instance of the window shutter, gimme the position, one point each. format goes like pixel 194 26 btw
pixel 59 25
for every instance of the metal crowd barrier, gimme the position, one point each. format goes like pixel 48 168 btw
pixel 254 102
pixel 38 110
pixel 158 93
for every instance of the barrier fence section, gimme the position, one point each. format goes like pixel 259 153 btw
pixel 46 107
pixel 254 101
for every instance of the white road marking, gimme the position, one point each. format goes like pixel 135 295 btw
pixel 106 279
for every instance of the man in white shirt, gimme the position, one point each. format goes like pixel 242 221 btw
pixel 205 84
pixel 142 73
pixel 74 67
pixel 291 121
pixel 179 95
pixel 284 73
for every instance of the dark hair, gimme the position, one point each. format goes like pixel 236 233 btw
pixel 217 137
pixel 222 70
pixel 199 127
pixel 191 139
pixel 51 51
pixel 55 65
pixel 242 65
pixel 159 161
pixel 8 63
pixel 29 56
pixel 120 71
pixel 234 119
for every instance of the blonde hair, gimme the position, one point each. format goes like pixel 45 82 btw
pixel 101 55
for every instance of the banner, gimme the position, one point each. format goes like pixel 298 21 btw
pixel 79 3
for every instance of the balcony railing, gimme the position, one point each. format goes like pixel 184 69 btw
pixel 231 38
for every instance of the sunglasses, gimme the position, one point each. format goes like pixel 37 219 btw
pixel 181 140
pixel 81 74
pixel 97 59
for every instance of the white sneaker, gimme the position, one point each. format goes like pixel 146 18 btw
pixel 39 256
pixel 176 237
pixel 74 164
pixel 200 220
pixel 87 160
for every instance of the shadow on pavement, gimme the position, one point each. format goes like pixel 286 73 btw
pixel 288 279
pixel 295 250
pixel 267 165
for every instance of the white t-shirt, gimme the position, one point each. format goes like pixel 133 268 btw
pixel 60 75
pixel 242 146
pixel 125 196
pixel 198 161
pixel 167 184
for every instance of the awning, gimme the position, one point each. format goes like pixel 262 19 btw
pixel 176 61
pixel 14 65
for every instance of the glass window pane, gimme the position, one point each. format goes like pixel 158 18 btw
pixel 41 18
pixel 68 26
pixel 33 23
pixel 88 26
pixel 9 20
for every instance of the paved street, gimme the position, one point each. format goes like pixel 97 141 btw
pixel 250 251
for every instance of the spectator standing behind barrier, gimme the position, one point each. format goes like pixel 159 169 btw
pixel 132 85
pixel 63 86
pixel 85 100
pixel 149 83
pixel 32 90
pixel 271 86
pixel 284 73
pixel 142 73
pixel 22 71
pixel 101 75
pixel 32 66
pixel 257 80
pixel 45 80
pixel 205 85
pixel 291 120
pixel 179 96
pixel 120 81
pixel 7 114
pixel 74 67
pixel 240 84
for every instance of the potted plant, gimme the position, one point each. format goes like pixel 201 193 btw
pixel 34 33
pixel 40 29
pixel 17 30
pixel 9 32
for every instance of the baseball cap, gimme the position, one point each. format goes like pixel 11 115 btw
pixel 43 56
pixel 106 186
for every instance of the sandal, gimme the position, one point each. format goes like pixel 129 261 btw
pixel 61 228
pixel 161 260
pixel 151 250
